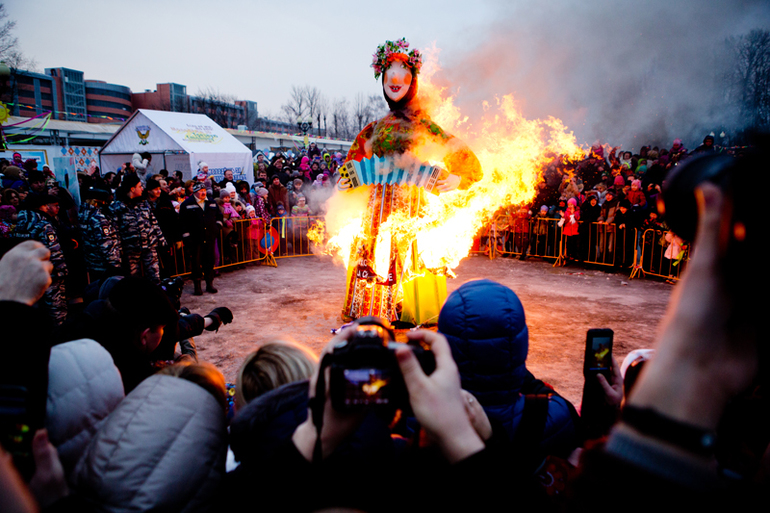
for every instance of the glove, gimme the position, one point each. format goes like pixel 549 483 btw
pixel 220 315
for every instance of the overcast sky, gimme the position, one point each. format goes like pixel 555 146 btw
pixel 608 68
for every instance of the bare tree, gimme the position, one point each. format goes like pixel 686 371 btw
pixel 220 107
pixel 377 107
pixel 361 112
pixel 296 107
pixel 749 83
pixel 9 45
pixel 340 119
pixel 316 105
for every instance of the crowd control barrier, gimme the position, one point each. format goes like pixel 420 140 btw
pixel 645 253
pixel 246 241
pixel 597 244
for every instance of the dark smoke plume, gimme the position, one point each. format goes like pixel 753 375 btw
pixel 618 71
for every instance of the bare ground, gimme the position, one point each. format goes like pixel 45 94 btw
pixel 302 299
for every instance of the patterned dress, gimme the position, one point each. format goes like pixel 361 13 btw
pixel 397 133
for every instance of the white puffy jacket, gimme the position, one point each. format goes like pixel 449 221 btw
pixel 162 449
pixel 84 387
pixel 140 165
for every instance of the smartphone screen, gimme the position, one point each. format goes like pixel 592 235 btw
pixel 596 415
pixel 598 355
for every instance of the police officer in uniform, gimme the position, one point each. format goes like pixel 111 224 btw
pixel 37 221
pixel 100 236
pixel 140 233
pixel 201 220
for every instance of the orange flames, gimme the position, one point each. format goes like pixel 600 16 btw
pixel 512 151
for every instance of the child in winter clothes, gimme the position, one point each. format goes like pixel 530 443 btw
pixel 569 224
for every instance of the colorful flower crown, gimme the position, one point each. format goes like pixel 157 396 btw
pixel 395 51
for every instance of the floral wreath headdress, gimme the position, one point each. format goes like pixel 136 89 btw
pixel 395 51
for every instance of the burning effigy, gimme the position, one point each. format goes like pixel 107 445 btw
pixel 420 183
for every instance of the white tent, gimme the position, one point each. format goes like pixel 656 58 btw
pixel 177 142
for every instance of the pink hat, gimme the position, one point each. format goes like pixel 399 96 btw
pixel 619 180
pixel 572 201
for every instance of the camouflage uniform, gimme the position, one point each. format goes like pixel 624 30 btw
pixel 140 236
pixel 101 241
pixel 32 225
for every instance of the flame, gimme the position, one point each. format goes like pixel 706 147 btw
pixel 512 151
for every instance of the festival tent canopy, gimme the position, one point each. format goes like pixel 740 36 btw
pixel 178 142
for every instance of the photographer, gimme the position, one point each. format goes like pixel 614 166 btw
pixel 347 473
pixel 131 319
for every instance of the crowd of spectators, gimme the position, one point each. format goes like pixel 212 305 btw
pixel 110 409
pixel 96 428
pixel 596 209
pixel 135 223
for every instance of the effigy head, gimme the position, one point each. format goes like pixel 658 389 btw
pixel 399 68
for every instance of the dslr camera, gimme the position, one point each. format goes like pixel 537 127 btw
pixel 364 370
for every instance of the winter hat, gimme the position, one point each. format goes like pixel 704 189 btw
pixel 262 192
pixel 572 201
pixel 619 180
pixel 12 172
pixel 198 186
pixel 224 194
pixel 6 212
pixel 230 188
pixel 637 183
pixel 636 354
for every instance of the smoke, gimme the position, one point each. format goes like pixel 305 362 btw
pixel 618 71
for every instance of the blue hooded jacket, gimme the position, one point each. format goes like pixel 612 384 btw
pixel 485 325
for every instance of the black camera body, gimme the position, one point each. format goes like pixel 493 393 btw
pixel 364 370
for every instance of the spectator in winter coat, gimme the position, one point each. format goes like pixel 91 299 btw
pixel 162 449
pixel 37 221
pixel 140 233
pixel 277 193
pixel 485 325
pixel 100 235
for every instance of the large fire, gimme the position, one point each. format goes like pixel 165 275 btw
pixel 512 151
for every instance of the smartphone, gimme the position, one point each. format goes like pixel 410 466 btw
pixel 596 415
pixel 598 355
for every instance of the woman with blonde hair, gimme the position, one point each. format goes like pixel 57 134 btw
pixel 276 363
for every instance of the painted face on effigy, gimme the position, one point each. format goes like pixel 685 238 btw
pixel 398 78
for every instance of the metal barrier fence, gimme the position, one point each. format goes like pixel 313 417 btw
pixel 598 244
pixel 249 241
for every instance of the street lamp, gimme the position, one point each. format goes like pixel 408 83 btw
pixel 304 127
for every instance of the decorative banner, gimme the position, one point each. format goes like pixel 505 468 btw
pixel 197 133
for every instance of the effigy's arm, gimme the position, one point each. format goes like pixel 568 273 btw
pixel 463 162
pixel 459 160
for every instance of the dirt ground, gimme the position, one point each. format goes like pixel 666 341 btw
pixel 303 296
